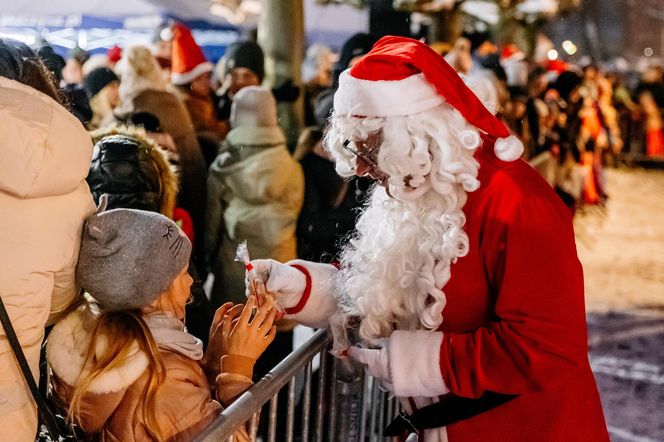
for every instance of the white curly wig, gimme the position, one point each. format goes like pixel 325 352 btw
pixel 395 266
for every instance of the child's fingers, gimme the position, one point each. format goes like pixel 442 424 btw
pixel 260 316
pixel 268 322
pixel 235 311
pixel 270 336
pixel 246 312
pixel 220 313
pixel 226 326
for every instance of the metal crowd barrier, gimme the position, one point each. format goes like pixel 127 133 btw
pixel 349 405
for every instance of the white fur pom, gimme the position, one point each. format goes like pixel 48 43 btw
pixel 470 139
pixel 508 149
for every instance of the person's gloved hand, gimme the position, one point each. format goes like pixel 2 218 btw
pixel 377 362
pixel 285 282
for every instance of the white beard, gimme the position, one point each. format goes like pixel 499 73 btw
pixel 394 268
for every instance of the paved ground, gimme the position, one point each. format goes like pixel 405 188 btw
pixel 622 249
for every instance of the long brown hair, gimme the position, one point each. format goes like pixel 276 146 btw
pixel 121 330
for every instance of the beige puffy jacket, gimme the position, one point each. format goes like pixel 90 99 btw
pixel 44 157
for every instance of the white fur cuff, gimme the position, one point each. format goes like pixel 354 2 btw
pixel 317 303
pixel 415 363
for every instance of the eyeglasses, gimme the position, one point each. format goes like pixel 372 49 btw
pixel 363 157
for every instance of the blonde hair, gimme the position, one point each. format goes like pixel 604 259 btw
pixel 121 332
pixel 101 107
pixel 139 71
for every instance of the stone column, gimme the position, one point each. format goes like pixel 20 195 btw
pixel 281 35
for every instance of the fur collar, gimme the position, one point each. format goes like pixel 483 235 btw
pixel 167 173
pixel 67 346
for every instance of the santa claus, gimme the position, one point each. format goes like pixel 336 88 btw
pixel 462 275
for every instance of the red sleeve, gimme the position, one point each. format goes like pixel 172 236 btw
pixel 538 337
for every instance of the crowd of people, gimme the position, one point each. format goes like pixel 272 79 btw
pixel 177 144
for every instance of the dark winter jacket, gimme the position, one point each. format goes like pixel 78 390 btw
pixel 331 206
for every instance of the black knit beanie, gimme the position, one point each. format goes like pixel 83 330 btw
pixel 357 45
pixel 245 54
pixel 53 61
pixel 97 80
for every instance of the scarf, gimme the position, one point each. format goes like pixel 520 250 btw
pixel 171 334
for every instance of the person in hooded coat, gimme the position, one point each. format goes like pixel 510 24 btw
pixel 255 193
pixel 44 200
pixel 143 89
pixel 101 85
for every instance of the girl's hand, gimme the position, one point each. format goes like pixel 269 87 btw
pixel 215 349
pixel 249 337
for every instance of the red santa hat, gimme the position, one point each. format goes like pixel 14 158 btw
pixel 188 60
pixel 511 52
pixel 401 76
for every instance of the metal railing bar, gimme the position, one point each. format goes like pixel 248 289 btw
pixel 254 426
pixel 322 383
pixel 333 400
pixel 381 414
pixel 272 424
pixel 253 399
pixel 290 422
pixel 306 402
pixel 363 405
pixel 373 398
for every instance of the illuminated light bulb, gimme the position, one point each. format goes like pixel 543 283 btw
pixel 569 47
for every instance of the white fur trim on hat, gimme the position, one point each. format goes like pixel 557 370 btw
pixel 415 363
pixel 383 98
pixel 508 149
pixel 180 78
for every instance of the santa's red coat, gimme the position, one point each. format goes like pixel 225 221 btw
pixel 515 315
pixel 514 321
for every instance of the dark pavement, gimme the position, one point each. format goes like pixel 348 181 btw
pixel 627 357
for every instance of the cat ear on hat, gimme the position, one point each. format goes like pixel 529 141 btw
pixel 103 203
pixel 91 224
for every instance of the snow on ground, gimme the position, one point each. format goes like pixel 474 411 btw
pixel 621 245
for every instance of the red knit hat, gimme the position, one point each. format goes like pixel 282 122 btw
pixel 114 54
pixel 188 60
pixel 401 76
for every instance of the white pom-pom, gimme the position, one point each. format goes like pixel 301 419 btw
pixel 470 139
pixel 508 149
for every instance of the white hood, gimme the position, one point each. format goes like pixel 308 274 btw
pixel 44 150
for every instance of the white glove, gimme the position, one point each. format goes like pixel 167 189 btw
pixel 285 282
pixel 377 362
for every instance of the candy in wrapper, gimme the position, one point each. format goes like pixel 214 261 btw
pixel 255 283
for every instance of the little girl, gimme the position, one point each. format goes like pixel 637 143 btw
pixel 124 365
